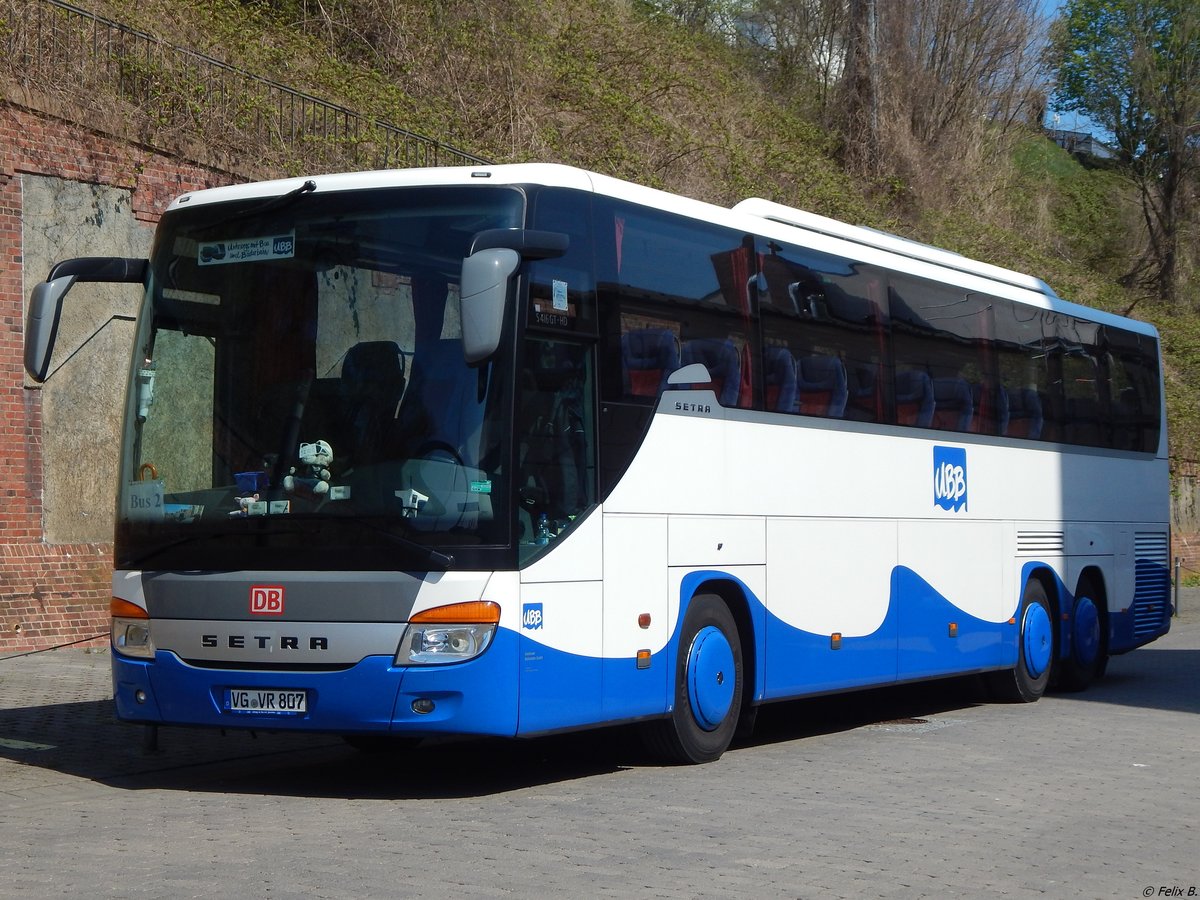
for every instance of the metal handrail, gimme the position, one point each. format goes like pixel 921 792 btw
pixel 172 92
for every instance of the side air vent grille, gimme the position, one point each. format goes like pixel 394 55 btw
pixel 1152 582
pixel 1039 543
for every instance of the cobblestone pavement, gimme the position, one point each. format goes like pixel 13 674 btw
pixel 907 792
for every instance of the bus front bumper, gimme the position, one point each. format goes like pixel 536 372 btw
pixel 373 696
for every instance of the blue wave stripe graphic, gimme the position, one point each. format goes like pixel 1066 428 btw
pixel 913 641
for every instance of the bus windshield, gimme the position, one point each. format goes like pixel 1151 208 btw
pixel 299 396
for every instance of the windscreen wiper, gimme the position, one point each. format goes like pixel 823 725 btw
pixel 269 204
pixel 435 558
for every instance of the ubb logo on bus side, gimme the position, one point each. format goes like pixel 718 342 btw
pixel 531 616
pixel 266 600
pixel 950 478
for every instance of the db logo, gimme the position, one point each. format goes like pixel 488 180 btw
pixel 531 616
pixel 266 600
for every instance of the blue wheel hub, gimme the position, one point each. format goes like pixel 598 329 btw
pixel 1085 631
pixel 710 677
pixel 1037 639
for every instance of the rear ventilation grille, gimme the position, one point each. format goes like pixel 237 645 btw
pixel 1038 543
pixel 1152 582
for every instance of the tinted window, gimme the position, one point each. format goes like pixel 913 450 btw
pixel 674 292
pixel 945 365
pixel 823 316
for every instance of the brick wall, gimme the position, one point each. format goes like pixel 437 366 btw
pixel 54 594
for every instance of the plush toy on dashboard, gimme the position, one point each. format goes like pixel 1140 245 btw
pixel 316 458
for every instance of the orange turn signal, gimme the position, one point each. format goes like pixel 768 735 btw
pixel 474 612
pixel 123 609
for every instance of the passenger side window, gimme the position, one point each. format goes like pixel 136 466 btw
pixel 674 292
pixel 823 321
pixel 945 371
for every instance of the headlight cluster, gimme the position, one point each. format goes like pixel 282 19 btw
pixel 448 634
pixel 131 630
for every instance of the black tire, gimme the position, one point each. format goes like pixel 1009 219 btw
pixel 1088 656
pixel 705 714
pixel 1027 680
pixel 747 719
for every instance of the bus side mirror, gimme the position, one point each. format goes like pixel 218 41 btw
pixel 482 292
pixel 41 324
pixel 46 302
pixel 494 258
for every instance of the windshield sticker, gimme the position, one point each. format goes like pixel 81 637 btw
pixel 221 253
pixel 558 296
pixel 144 501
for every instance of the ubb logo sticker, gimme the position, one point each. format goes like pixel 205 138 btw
pixel 531 616
pixel 266 600
pixel 950 478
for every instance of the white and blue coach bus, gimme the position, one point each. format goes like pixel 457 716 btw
pixel 518 449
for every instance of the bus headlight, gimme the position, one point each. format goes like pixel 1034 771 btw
pixel 448 634
pixel 131 630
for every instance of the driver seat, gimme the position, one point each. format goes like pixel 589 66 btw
pixel 371 386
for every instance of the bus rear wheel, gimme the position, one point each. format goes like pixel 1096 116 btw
pixel 1026 681
pixel 708 687
pixel 1088 657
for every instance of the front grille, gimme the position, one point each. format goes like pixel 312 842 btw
pixel 268 667
pixel 1152 582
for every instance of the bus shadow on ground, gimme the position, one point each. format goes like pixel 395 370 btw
pixel 82 739
pixel 793 720
pixel 1151 677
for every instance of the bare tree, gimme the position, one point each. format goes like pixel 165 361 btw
pixel 950 61
pixel 924 74
pixel 803 44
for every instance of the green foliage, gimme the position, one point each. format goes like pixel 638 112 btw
pixel 1129 65
pixel 1092 45
pixel 1087 208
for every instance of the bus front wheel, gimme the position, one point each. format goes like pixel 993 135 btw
pixel 708 686
pixel 1026 681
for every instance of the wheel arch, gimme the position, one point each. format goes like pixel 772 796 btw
pixel 1093 575
pixel 1050 583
